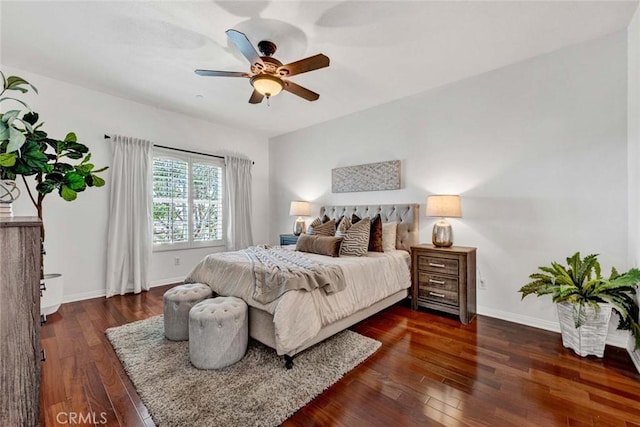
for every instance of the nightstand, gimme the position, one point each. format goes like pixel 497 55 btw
pixel 288 239
pixel 444 279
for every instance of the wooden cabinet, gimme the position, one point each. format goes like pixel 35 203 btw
pixel 444 279
pixel 288 239
pixel 20 356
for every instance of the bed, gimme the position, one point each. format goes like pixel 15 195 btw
pixel 299 319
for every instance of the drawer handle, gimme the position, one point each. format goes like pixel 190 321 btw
pixel 431 264
pixel 437 282
pixel 436 295
pixel 44 355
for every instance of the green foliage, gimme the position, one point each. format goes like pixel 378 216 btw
pixel 581 283
pixel 45 159
pixel 26 150
pixel 12 126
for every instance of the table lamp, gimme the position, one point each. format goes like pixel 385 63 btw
pixel 443 206
pixel 299 209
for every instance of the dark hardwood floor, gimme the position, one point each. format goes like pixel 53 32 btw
pixel 430 370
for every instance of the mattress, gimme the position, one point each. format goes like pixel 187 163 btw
pixel 299 315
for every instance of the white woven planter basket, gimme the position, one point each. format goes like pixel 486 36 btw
pixel 590 338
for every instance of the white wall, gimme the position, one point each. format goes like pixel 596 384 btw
pixel 633 137
pixel 76 231
pixel 537 150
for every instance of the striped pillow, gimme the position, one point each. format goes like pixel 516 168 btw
pixel 325 218
pixel 375 233
pixel 356 238
pixel 316 222
pixel 344 225
pixel 326 229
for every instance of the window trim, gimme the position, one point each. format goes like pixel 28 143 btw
pixel 190 159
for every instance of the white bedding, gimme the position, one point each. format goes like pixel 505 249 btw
pixel 299 315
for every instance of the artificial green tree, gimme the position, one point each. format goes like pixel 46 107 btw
pixel 26 150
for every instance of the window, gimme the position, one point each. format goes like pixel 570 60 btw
pixel 187 201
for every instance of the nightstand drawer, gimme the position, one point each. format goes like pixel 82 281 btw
pixel 447 283
pixel 288 239
pixel 438 265
pixel 430 293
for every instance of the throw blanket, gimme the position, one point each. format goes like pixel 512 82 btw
pixel 277 271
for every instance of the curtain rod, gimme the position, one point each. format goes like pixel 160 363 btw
pixel 180 149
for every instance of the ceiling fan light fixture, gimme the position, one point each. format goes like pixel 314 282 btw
pixel 267 72
pixel 267 85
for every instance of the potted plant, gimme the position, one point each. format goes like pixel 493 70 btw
pixel 11 138
pixel 26 150
pixel 585 299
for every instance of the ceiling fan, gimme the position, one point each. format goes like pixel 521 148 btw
pixel 267 73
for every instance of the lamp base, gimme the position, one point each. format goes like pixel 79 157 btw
pixel 298 226
pixel 442 235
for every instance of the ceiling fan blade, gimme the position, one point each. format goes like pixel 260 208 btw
pixel 212 73
pixel 244 45
pixel 300 91
pixel 256 97
pixel 304 65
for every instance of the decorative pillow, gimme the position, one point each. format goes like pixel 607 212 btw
pixel 356 238
pixel 317 244
pixel 375 236
pixel 325 218
pixel 389 234
pixel 344 225
pixel 316 222
pixel 326 229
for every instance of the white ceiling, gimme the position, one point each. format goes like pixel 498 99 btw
pixel 380 51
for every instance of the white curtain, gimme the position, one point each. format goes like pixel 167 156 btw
pixel 238 203
pixel 129 239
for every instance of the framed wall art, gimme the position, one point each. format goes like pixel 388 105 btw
pixel 369 177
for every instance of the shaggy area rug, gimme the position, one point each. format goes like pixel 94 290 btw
pixel 256 391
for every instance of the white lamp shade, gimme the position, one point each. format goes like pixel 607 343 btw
pixel 444 206
pixel 299 208
pixel 266 84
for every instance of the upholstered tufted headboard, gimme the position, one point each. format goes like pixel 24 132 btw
pixel 406 215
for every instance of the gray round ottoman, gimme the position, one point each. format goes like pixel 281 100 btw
pixel 218 332
pixel 177 302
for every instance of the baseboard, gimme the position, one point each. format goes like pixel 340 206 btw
pixel 519 318
pixel 101 293
pixel 619 340
pixel 635 354
pixel 169 281
pixel 83 296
